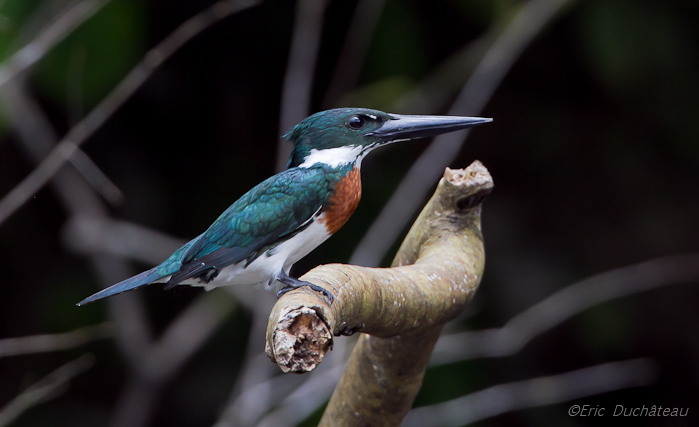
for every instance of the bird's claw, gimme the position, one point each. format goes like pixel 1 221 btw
pixel 348 332
pixel 310 285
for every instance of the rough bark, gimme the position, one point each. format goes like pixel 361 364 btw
pixel 400 310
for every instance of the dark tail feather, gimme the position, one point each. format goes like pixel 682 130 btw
pixel 134 282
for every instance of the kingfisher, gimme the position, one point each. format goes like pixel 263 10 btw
pixel 259 237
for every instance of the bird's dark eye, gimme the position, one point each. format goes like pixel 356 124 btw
pixel 356 122
pixel 472 201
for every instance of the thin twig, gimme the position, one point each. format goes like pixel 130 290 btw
pixel 412 190
pixel 80 160
pixel 116 98
pixel 132 328
pixel 132 331
pixel 55 342
pixel 162 359
pixel 256 373
pixel 49 387
pixel 300 69
pixel 17 66
pixel 292 397
pixel 564 304
pixel 36 131
pixel 349 64
pixel 123 239
pixel 541 391
pixel 96 178
pixel 186 334
pixel 305 400
pixel 38 135
pixel 65 24
pixel 437 90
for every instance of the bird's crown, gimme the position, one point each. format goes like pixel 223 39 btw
pixel 340 127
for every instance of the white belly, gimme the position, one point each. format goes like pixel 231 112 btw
pixel 269 264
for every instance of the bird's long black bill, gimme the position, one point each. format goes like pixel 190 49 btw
pixel 404 127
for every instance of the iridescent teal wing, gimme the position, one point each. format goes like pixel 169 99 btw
pixel 272 211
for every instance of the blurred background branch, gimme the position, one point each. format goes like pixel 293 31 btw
pixel 593 150
pixel 62 26
pixel 55 342
pixel 17 65
pixel 49 387
pixel 564 304
pixel 153 364
pixel 354 50
pixel 404 203
pixel 300 70
pixel 67 147
pixel 541 391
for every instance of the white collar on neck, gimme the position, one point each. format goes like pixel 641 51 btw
pixel 335 157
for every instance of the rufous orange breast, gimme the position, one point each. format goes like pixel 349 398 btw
pixel 344 201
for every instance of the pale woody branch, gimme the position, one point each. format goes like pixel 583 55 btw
pixel 402 309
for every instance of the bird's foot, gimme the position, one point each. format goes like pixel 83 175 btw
pixel 348 332
pixel 292 283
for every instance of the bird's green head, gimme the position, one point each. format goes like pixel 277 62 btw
pixel 346 135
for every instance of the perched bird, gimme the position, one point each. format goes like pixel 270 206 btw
pixel 281 220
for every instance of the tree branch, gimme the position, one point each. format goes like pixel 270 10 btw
pixel 541 391
pixel 349 63
pixel 564 304
pixel 79 201
pixel 300 69
pixel 435 274
pixel 116 98
pixel 55 342
pixel 37 138
pixel 123 239
pixel 186 334
pixel 49 387
pixel 32 52
pixel 253 392
pixel 303 401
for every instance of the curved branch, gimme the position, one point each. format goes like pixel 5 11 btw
pixel 436 272
pixel 116 98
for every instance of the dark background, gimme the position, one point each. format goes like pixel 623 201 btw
pixel 594 153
